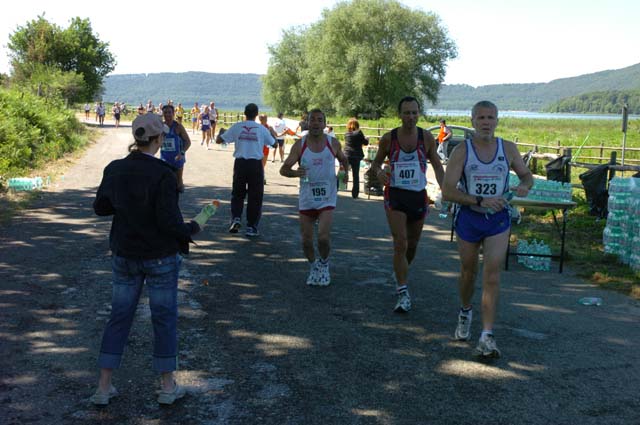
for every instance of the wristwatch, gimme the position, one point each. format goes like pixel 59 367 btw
pixel 479 200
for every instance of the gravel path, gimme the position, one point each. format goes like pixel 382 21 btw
pixel 257 346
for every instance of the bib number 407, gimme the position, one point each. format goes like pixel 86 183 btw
pixel 406 174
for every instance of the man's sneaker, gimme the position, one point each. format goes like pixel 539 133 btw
pixel 252 232
pixel 404 303
pixel 314 277
pixel 324 277
pixel 463 330
pixel 235 225
pixel 487 347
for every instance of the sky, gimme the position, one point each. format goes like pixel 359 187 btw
pixel 498 42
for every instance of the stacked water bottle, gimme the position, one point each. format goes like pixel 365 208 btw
pixel 621 235
pixel 27 183
pixel 532 262
pixel 545 190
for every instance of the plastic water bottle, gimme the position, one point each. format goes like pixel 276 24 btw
pixel 590 301
pixel 207 211
pixel 341 184
pixel 444 210
pixel 304 165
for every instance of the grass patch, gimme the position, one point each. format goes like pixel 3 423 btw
pixel 13 202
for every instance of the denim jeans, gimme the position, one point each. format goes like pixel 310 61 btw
pixel 161 278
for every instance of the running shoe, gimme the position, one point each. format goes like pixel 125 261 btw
pixel 487 347
pixel 314 277
pixel 252 232
pixel 404 303
pixel 324 277
pixel 235 225
pixel 463 330
pixel 170 397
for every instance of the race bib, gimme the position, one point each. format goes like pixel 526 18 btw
pixel 406 174
pixel 319 191
pixel 206 122
pixel 485 184
pixel 169 144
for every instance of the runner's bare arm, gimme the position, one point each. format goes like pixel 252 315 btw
pixel 384 146
pixel 431 148
pixel 521 169
pixel 292 159
pixel 337 148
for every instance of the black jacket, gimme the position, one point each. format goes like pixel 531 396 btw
pixel 353 142
pixel 140 191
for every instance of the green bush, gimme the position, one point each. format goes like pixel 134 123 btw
pixel 34 131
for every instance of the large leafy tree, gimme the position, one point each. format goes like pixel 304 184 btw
pixel 72 61
pixel 361 57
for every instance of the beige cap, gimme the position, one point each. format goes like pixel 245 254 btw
pixel 146 126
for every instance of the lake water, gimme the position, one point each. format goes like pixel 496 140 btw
pixel 532 115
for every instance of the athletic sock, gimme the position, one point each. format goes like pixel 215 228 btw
pixel 401 289
pixel 485 334
pixel 465 311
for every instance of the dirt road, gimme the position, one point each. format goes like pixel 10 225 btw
pixel 257 346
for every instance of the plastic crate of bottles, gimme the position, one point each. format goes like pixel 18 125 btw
pixel 621 235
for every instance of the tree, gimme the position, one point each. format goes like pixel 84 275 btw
pixel 361 57
pixel 75 53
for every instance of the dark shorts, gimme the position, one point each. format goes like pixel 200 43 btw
pixel 279 142
pixel 117 117
pixel 414 204
pixel 472 226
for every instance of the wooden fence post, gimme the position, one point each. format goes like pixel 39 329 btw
pixel 567 171
pixel 558 150
pixel 534 160
pixel 612 161
pixel 601 151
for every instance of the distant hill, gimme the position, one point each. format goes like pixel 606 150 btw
pixel 537 96
pixel 599 102
pixel 229 91
pixel 234 91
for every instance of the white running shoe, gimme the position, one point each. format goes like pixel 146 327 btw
pixel 235 225
pixel 404 303
pixel 324 277
pixel 314 276
pixel 487 347
pixel 463 330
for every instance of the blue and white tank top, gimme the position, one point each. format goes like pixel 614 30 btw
pixel 408 169
pixel 172 145
pixel 319 190
pixel 486 179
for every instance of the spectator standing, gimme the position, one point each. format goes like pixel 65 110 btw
pixel 354 140
pixel 443 141
pixel 280 127
pixel 147 237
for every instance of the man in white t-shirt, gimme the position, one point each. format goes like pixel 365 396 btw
pixel 316 153
pixel 248 172
pixel 280 127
